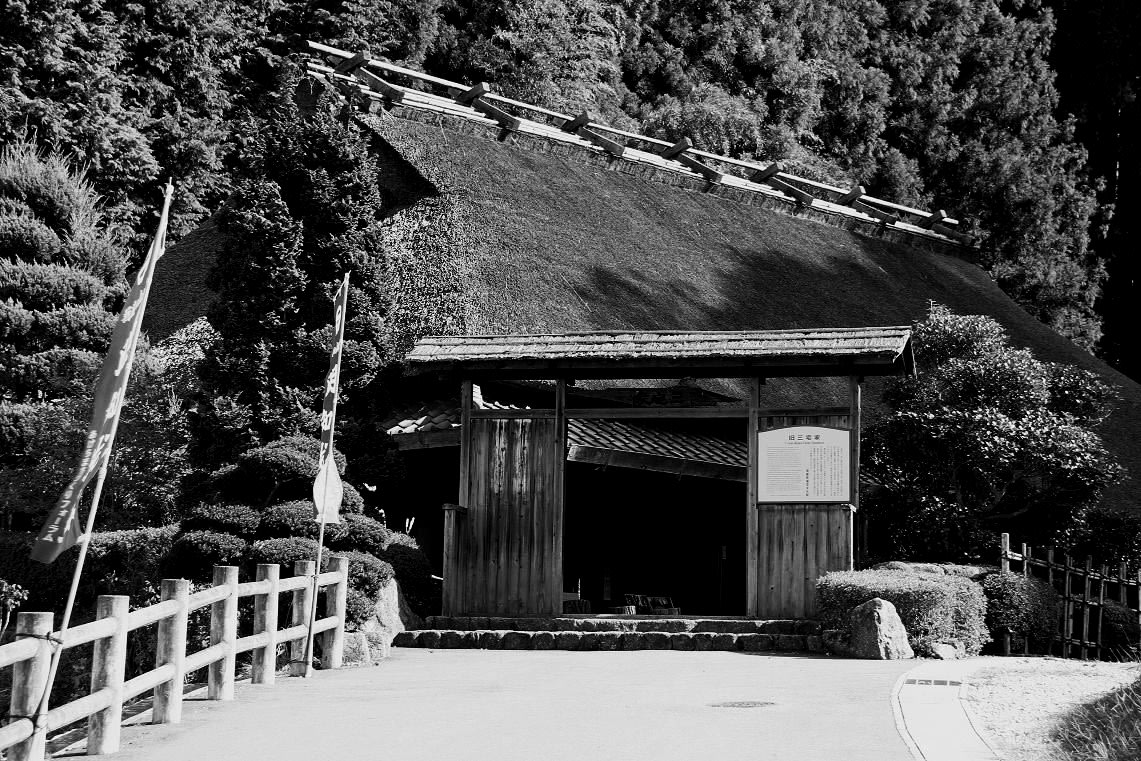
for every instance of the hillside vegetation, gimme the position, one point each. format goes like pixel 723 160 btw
pixel 947 103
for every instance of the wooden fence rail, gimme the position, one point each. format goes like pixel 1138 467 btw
pixel 25 736
pixel 1084 589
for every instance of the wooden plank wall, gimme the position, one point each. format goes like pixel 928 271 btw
pixel 510 542
pixel 796 543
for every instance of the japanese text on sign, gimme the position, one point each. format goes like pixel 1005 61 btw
pixel 804 464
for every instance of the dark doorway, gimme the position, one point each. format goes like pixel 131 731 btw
pixel 657 534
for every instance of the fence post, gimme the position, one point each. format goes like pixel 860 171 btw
pixel 336 603
pixel 108 670
pixel 29 680
pixel 1004 554
pixel 224 631
pixel 302 604
pixel 171 648
pixel 265 622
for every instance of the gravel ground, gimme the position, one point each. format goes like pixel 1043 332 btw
pixel 1016 702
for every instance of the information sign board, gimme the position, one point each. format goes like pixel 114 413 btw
pixel 804 464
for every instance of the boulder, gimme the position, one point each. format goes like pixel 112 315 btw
pixel 835 642
pixel 876 632
pixel 391 616
pixel 947 651
pixel 357 651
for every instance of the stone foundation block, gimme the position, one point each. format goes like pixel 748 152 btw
pixel 429 638
pixel 725 641
pixel 516 640
pixel 543 641
pixel 755 643
pixel 568 640
pixel 406 639
pixel 682 641
pixel 608 640
pixel 490 640
pixel 791 643
pixel 452 640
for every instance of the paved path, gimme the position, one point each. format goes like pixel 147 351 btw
pixel 550 705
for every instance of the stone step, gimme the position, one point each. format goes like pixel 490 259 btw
pixel 498 639
pixel 623 624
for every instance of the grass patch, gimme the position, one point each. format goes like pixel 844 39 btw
pixel 1107 729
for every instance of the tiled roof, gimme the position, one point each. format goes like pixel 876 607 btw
pixel 828 350
pixel 628 437
pixel 674 450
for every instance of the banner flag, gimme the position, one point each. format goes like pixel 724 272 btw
pixel 328 490
pixel 61 530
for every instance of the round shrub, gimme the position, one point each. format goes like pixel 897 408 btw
pixel 28 239
pixel 933 608
pixel 353 502
pixel 195 553
pixel 297 519
pixel 403 540
pixel 240 520
pixel 1120 628
pixel 359 608
pixel 367 575
pixel 414 574
pixel 363 534
pixel 1027 606
pixel 284 551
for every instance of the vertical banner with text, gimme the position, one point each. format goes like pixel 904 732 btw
pixel 61 530
pixel 328 490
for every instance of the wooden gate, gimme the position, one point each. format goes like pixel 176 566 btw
pixel 507 546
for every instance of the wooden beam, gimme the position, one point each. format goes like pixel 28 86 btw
pixel 349 65
pixel 555 567
pixel 493 414
pixel 506 120
pixel 657 463
pixel 955 235
pixel 855 400
pixel 612 147
pixel 427 439
pixel 851 196
pixel 681 146
pixel 886 217
pixel 763 174
pixel 575 124
pixel 929 222
pixel 752 518
pixel 456 588
pixel 468 96
pixel 373 82
pixel 801 196
pixel 706 171
pixel 651 413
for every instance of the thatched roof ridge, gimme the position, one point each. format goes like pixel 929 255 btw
pixel 818 351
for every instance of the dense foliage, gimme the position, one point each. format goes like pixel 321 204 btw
pixel 1023 605
pixel 933 608
pixel 986 439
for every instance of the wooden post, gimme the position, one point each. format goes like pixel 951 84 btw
pixel 171 648
pixel 29 680
pixel 559 463
pixel 752 520
pixel 302 604
pixel 457 592
pixel 855 414
pixel 1085 607
pixel 1100 610
pixel 108 671
pixel 336 604
pixel 224 631
pixel 265 622
pixel 1067 609
pixel 1004 554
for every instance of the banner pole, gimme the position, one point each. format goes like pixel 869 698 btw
pixel 308 657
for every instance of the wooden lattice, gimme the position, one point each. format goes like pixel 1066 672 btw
pixel 1085 590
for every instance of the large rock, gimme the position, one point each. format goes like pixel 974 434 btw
pixel 391 616
pixel 876 632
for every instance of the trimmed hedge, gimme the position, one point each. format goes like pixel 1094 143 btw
pixel 363 534
pixel 195 554
pixel 297 519
pixel 933 608
pixel 1120 627
pixel 118 562
pixel 1025 605
pixel 240 520
pixel 284 551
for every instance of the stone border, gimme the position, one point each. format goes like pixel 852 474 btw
pixel 498 639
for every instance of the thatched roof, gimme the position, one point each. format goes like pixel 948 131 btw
pixel 670 354
pixel 499 232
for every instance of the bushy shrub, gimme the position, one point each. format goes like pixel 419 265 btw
pixel 240 520
pixel 47 286
pixel 195 554
pixel 1120 627
pixel 414 574
pixel 297 519
pixel 367 574
pixel 284 551
pixel 404 540
pixel 1027 606
pixel 363 534
pixel 933 608
pixel 28 239
pixel 128 562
